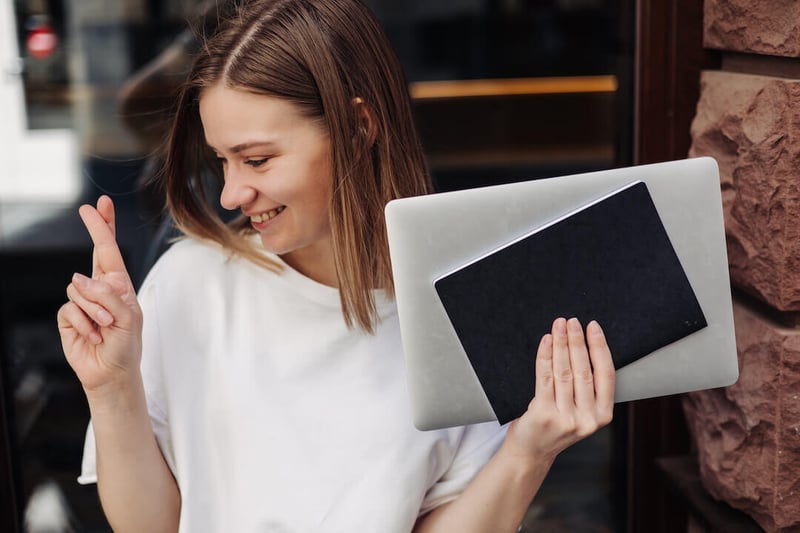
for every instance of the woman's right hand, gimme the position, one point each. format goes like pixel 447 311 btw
pixel 101 324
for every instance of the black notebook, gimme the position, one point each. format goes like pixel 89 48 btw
pixel 611 261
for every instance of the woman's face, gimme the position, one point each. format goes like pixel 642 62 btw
pixel 277 166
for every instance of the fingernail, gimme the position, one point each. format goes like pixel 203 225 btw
pixel 594 328
pixel 80 280
pixel 95 338
pixel 561 326
pixel 574 325
pixel 104 318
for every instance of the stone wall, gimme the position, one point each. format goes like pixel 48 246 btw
pixel 748 118
pixel 747 434
pixel 769 27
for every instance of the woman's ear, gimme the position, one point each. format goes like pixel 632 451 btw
pixel 367 122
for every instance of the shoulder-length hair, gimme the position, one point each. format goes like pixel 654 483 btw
pixel 333 61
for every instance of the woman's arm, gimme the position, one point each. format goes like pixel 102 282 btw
pixel 574 396
pixel 101 334
pixel 137 489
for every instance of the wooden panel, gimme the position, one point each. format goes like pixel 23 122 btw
pixel 426 90
pixel 524 123
pixel 669 58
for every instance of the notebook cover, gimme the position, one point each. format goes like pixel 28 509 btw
pixel 611 261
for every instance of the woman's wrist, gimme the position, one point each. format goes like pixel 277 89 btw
pixel 526 463
pixel 121 395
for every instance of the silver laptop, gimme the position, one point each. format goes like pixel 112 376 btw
pixel 432 236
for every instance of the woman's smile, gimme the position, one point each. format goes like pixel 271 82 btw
pixel 262 220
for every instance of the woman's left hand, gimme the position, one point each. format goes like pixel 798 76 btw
pixel 574 394
pixel 574 397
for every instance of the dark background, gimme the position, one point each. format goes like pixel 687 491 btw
pixel 470 141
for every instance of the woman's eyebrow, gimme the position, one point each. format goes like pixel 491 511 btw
pixel 246 145
pixel 255 144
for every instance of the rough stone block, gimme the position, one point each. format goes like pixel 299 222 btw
pixel 751 125
pixel 757 26
pixel 748 435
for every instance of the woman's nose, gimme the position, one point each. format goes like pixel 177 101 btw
pixel 236 191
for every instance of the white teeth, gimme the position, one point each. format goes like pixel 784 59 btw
pixel 266 216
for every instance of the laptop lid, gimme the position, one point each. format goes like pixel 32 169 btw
pixel 432 237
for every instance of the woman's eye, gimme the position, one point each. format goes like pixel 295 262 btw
pixel 255 162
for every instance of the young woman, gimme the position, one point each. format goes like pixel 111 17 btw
pixel 256 383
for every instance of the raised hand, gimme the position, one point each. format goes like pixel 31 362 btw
pixel 574 393
pixel 101 324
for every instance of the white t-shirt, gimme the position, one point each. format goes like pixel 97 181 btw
pixel 274 416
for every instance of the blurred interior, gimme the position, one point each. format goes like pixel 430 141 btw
pixel 504 90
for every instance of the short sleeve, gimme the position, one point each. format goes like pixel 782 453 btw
pixel 152 376
pixel 477 445
pixel 89 462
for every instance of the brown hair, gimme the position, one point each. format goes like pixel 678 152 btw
pixel 319 55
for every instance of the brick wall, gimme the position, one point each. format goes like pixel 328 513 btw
pixel 748 118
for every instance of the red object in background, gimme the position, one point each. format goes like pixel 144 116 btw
pixel 41 42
